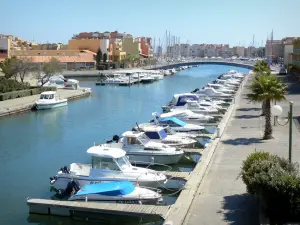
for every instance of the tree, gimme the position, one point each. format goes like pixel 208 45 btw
pixel 9 68
pixel 261 67
pixel 267 88
pixel 24 68
pixel 104 57
pixel 49 69
pixel 98 57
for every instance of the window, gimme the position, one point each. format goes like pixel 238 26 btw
pixel 104 163
pixel 152 135
pixel 39 53
pixel 123 162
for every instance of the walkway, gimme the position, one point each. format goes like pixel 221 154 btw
pixel 222 198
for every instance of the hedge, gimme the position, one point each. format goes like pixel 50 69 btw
pixel 276 183
pixel 24 93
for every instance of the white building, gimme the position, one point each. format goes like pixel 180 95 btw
pixel 195 50
pixel 288 49
pixel 239 51
pixel 185 50
pixel 4 47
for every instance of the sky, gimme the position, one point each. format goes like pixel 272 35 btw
pixel 233 22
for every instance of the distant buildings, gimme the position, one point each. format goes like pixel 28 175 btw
pixel 274 50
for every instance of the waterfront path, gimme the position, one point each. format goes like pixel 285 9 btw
pixel 221 198
pixel 26 103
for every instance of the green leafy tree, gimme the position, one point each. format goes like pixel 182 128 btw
pixel 9 68
pixel 267 88
pixel 48 69
pixel 104 57
pixel 261 67
pixel 98 57
pixel 24 67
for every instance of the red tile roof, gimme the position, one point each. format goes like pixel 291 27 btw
pixel 81 57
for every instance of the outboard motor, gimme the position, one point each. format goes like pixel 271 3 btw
pixel 116 138
pixel 194 91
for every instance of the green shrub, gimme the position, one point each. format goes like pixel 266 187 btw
pixel 15 94
pixel 8 85
pixel 276 182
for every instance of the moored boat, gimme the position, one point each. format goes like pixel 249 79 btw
pixel 50 100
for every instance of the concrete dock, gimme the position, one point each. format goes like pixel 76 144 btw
pixel 19 105
pixel 85 210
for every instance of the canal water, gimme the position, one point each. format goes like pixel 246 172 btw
pixel 34 145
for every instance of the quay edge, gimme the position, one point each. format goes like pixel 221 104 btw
pixel 30 105
pixel 179 210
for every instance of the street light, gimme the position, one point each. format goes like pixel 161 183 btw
pixel 276 110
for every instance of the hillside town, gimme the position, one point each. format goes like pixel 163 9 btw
pixel 80 51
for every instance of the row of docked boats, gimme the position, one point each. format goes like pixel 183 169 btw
pixel 112 174
pixel 133 76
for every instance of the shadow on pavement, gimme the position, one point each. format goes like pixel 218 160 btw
pixel 242 141
pixel 248 109
pixel 247 116
pixel 240 209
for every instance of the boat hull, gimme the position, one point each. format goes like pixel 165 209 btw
pixel 146 159
pixel 50 105
pixel 62 182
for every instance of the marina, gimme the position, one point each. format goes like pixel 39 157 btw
pixel 145 104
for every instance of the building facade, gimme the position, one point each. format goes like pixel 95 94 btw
pixel 296 53
pixel 239 51
pixel 185 50
pixel 288 49
pixel 274 50
pixel 5 43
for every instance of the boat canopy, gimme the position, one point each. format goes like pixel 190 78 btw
pixel 174 120
pixel 106 152
pixel 181 99
pixel 107 188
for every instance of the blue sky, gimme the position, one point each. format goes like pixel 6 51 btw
pixel 194 21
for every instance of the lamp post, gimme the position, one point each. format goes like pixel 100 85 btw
pixel 276 110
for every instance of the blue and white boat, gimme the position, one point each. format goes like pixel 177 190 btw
pixel 117 192
pixel 158 134
pixel 176 124
pixel 50 100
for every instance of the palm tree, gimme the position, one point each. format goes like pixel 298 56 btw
pixel 261 67
pixel 267 88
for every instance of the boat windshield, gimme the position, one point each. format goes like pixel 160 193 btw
pixel 47 96
pixel 143 139
pixel 162 134
pixel 104 163
pixel 169 130
pixel 123 162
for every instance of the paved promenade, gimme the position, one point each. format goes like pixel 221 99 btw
pixel 221 197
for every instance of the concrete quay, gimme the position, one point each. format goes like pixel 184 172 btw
pixel 19 105
pixel 221 196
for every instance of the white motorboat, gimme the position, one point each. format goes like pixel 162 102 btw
pixel 173 122
pixel 211 92
pixel 50 100
pixel 158 134
pixel 117 192
pixel 191 100
pixel 233 82
pixel 187 115
pixel 167 72
pixel 141 150
pixel 221 88
pixel 196 107
pixel 107 164
pixel 118 79
pixel 173 71
pixel 227 83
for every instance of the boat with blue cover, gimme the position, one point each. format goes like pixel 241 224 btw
pixel 117 192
